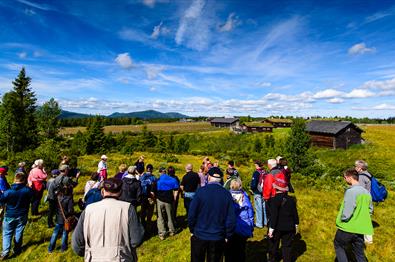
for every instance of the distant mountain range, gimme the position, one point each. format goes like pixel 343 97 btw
pixel 148 114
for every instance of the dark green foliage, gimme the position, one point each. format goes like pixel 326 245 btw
pixel 297 146
pixel 48 119
pixel 95 137
pixel 18 127
pixel 258 145
pixel 182 145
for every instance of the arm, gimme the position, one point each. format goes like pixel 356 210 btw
pixel 230 219
pixel 349 205
pixel 136 230
pixel 139 194
pixel 254 181
pixel 3 197
pixel 78 240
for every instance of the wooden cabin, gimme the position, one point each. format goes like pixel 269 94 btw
pixel 333 134
pixel 225 122
pixel 256 127
pixel 278 122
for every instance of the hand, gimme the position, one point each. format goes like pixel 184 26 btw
pixel 270 233
pixel 226 240
pixel 78 175
pixel 296 229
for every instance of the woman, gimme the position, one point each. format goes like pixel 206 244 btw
pixel 36 181
pixel 102 168
pixel 236 245
pixel 64 208
pixel 93 183
pixel 140 166
pixel 123 168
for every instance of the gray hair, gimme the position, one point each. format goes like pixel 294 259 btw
pixel 235 184
pixel 39 162
pixel 361 164
pixel 132 170
pixel 272 162
pixel 189 167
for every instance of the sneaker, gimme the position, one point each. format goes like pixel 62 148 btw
pixel 3 257
pixel 161 237
pixel 172 234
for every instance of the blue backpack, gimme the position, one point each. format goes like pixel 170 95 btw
pixel 147 181
pixel 378 191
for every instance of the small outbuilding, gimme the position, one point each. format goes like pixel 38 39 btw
pixel 256 127
pixel 225 122
pixel 334 134
pixel 278 122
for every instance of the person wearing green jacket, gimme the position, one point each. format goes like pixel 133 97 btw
pixel 353 220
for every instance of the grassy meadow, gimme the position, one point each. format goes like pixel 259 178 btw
pixel 317 206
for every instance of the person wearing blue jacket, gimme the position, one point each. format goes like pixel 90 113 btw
pixel 211 219
pixel 235 248
pixel 17 200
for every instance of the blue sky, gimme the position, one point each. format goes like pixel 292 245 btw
pixel 203 57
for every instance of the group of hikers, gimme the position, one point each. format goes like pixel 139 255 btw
pixel 117 212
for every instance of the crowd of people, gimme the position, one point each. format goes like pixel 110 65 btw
pixel 117 212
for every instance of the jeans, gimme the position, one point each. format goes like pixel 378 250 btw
pixel 206 250
pixel 342 239
pixel 59 229
pixel 188 196
pixel 11 226
pixel 165 209
pixel 260 210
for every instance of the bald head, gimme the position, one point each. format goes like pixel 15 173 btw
pixel 189 167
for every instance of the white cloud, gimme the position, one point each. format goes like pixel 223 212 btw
pixel 149 3
pixel 37 54
pixel 335 100
pixel 230 23
pixel 124 60
pixel 22 55
pixel 360 93
pixel 156 31
pixel 383 85
pixel 263 84
pixel 43 7
pixel 153 71
pixel 132 35
pixel 194 28
pixel 328 93
pixel 360 48
pixel 152 89
pixel 384 107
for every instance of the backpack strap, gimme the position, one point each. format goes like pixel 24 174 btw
pixel 363 174
pixel 61 209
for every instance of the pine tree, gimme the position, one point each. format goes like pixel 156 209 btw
pixel 297 146
pixel 18 125
pixel 48 119
pixel 95 137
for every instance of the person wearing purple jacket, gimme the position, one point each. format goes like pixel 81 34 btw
pixel 235 247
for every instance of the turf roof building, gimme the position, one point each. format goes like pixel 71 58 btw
pixel 225 122
pixel 278 122
pixel 334 134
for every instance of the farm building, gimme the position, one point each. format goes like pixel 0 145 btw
pixel 278 122
pixel 225 122
pixel 334 134
pixel 256 127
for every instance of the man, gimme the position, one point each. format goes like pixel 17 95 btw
pixel 232 170
pixel 189 184
pixel 353 219
pixel 148 182
pixel 131 188
pixel 61 180
pixel 365 178
pixel 211 219
pixel 108 230
pixel 17 201
pixel 259 203
pixel 166 193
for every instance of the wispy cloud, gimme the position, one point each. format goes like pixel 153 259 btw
pixel 40 6
pixel 383 106
pixel 230 23
pixel 360 48
pixel 159 30
pixel 381 85
pixel 22 55
pixel 124 60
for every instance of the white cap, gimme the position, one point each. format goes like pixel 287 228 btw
pixel 103 157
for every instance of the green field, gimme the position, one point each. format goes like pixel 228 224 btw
pixel 317 207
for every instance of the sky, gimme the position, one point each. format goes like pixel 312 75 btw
pixel 204 57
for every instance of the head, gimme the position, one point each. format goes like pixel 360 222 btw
pixel 3 170
pixel 65 160
pixel 231 163
pixel 22 164
pixel 235 184
pixel 229 171
pixel 64 170
pixel 272 163
pixel 258 164
pixel 278 159
pixel 351 176
pixel 141 159
pixel 103 158
pixel 20 178
pixel 149 168
pixel 55 172
pixel 171 171
pixel 111 188
pixel 39 163
pixel 122 168
pixel 94 176
pixel 189 167
pixel 215 175
pixel 361 166
pixel 132 170
pixel 216 164
pixel 162 170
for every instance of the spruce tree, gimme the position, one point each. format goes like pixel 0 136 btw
pixel 297 146
pixel 48 119
pixel 18 126
pixel 95 137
